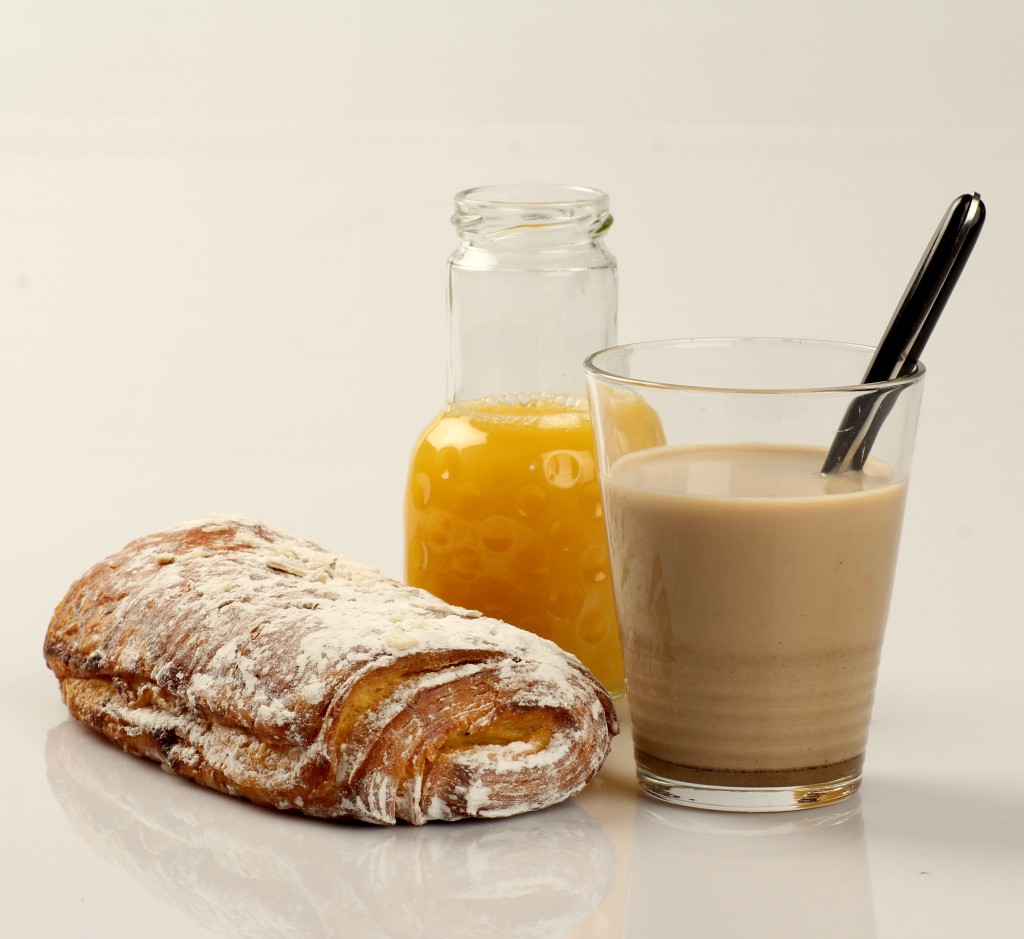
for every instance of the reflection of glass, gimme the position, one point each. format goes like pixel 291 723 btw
pixel 242 871
pixel 725 875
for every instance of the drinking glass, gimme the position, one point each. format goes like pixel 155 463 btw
pixel 751 586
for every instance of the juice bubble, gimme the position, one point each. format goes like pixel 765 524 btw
pixel 468 500
pixel 497 533
pixel 531 566
pixel 419 490
pixel 594 564
pixel 565 600
pixel 595 627
pixel 465 563
pixel 564 535
pixel 562 468
pixel 438 527
pixel 447 462
pixel 532 502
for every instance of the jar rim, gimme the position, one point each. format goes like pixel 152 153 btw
pixel 531 194
pixel 532 214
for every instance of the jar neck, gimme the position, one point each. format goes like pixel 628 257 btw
pixel 532 290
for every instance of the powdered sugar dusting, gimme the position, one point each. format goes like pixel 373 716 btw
pixel 256 641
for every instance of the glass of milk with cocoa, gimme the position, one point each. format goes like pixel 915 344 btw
pixel 751 582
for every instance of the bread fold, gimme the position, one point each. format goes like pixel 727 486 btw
pixel 261 665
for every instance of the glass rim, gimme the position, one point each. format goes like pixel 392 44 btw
pixel 592 366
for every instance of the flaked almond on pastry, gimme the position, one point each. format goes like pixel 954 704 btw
pixel 259 664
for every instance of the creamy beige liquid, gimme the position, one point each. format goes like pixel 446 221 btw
pixel 752 595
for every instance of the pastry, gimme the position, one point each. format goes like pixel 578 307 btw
pixel 259 664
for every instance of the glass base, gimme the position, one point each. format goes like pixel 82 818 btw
pixel 738 799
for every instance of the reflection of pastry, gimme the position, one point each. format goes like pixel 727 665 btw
pixel 259 664
pixel 239 873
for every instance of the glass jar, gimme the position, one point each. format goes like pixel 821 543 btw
pixel 503 506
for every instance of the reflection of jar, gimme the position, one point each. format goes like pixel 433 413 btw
pixel 503 509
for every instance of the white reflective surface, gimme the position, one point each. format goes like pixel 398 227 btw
pixel 127 842
pixel 223 231
pixel 234 870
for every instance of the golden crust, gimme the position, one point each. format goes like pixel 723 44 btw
pixel 258 664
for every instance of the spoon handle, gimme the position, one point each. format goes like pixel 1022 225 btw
pixel 908 331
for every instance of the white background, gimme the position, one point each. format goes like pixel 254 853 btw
pixel 223 229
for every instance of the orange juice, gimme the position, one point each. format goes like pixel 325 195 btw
pixel 503 515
